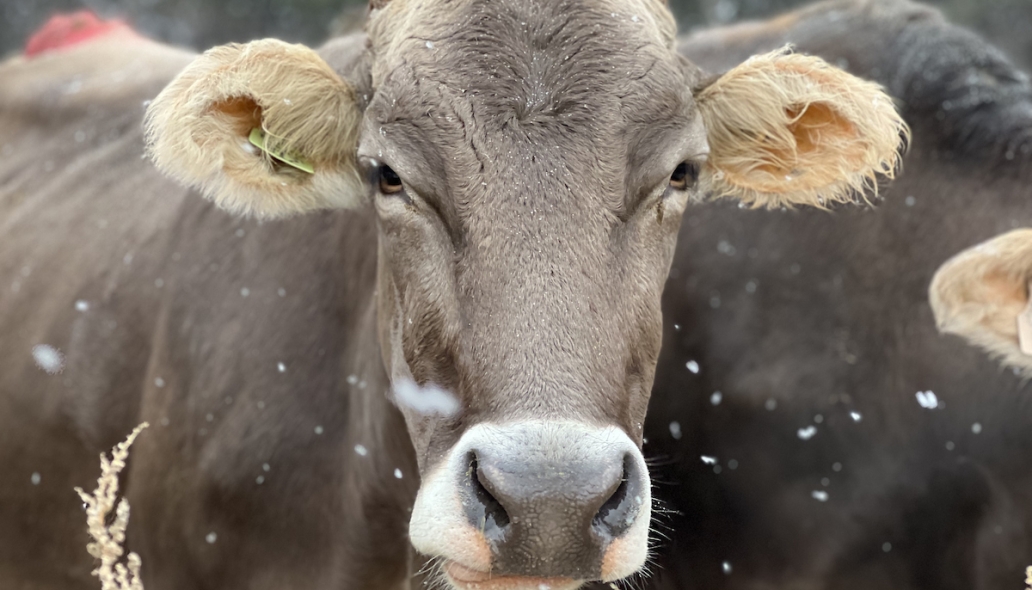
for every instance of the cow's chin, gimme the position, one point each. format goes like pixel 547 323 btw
pixel 463 578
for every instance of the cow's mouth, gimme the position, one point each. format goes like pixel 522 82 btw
pixel 464 578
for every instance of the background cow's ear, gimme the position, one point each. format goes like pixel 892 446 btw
pixel 982 294
pixel 788 129
pixel 265 129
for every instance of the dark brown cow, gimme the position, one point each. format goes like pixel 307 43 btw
pixel 837 468
pixel 461 364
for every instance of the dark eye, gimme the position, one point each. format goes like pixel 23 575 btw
pixel 390 182
pixel 685 175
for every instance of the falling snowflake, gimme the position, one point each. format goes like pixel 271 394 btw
pixel 927 399
pixel 426 400
pixel 807 433
pixel 48 358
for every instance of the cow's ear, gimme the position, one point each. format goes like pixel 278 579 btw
pixel 982 294
pixel 789 129
pixel 265 129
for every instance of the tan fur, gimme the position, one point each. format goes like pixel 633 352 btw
pixel 788 129
pixel 979 293
pixel 197 129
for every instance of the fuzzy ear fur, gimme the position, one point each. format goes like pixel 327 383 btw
pixel 980 293
pixel 789 129
pixel 198 127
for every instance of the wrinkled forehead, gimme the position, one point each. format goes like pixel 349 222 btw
pixel 529 55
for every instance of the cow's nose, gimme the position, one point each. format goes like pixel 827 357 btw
pixel 553 513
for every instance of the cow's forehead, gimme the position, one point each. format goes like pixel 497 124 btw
pixel 538 52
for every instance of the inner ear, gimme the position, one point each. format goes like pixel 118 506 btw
pixel 241 112
pixel 810 125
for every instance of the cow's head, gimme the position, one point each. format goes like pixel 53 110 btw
pixel 529 163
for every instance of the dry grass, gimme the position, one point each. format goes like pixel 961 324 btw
pixel 109 538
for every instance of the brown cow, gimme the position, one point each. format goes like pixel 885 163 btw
pixel 857 446
pixel 460 364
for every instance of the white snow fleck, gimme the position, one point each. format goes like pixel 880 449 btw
pixel 319 430
pixel 675 430
pixel 35 478
pixel 397 473
pixel 281 292
pixel 245 292
pixel 807 433
pixel 708 460
pixel 927 399
pixel 265 467
pixel 259 480
pixel 429 44
pixel 886 546
pixel 715 398
pixel 82 305
pixel 819 495
pixel 825 482
pixel 281 367
pixel 856 416
pixel 910 200
pixel 361 450
pixel 425 400
pixel 352 379
pixel 976 428
pixel 159 382
pixel 693 367
pixel 818 418
pixel 48 358
pixel 732 464
pixel 771 404
pixel 750 287
pixel 726 567
pixel 836 467
pixel 210 538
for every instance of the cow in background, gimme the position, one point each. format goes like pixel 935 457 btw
pixel 449 346
pixel 848 443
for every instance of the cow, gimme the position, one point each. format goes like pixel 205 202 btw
pixel 816 422
pixel 427 339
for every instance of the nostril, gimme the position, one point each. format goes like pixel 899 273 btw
pixel 486 512
pixel 619 512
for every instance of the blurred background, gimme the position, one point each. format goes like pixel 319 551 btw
pixel 202 23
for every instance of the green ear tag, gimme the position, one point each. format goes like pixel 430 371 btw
pixel 257 139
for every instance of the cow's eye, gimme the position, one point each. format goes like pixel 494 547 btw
pixel 684 176
pixel 390 182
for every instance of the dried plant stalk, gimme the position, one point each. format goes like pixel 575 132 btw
pixel 108 539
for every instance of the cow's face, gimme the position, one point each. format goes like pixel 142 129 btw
pixel 529 164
